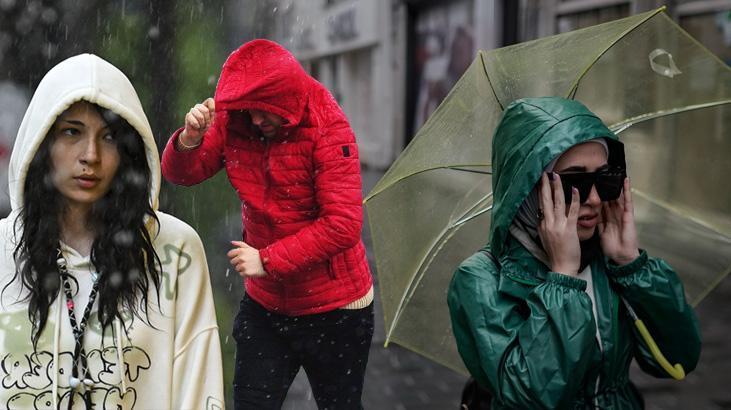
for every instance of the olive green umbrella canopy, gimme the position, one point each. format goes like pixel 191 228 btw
pixel 664 94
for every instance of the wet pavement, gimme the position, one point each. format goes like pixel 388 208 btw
pixel 400 379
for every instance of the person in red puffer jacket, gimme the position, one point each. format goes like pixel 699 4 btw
pixel 291 155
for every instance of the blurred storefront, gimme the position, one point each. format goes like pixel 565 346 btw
pixel 390 63
pixel 353 48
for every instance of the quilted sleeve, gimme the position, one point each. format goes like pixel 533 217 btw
pixel 195 166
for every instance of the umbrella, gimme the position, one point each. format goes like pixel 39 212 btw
pixel 662 91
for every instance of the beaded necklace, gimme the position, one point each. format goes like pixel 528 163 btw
pixel 80 377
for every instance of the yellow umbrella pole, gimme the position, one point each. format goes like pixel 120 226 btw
pixel 676 372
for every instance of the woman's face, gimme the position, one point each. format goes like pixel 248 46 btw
pixel 586 157
pixel 84 155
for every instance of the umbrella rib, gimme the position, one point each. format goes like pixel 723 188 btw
pixel 709 288
pixel 471 217
pixel 678 212
pixel 416 278
pixel 623 125
pixel 472 170
pixel 424 264
pixel 575 85
pixel 458 167
pixel 487 76
pixel 699 44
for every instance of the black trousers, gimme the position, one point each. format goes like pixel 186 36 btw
pixel 332 347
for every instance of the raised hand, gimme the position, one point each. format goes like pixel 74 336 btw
pixel 617 228
pixel 557 228
pixel 246 260
pixel 197 122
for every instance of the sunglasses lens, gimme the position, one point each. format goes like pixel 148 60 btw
pixel 609 184
pixel 583 181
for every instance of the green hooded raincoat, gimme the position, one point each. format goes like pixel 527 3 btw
pixel 529 334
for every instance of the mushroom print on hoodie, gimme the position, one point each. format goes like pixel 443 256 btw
pixel 167 357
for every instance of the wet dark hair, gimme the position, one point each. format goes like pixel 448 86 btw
pixel 122 251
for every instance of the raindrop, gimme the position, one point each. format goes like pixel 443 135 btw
pixel 49 15
pixel 50 282
pixel 33 8
pixel 275 9
pixel 50 50
pixel 123 238
pixel 153 32
pixel 230 285
pixel 7 4
pixel 226 341
pixel 133 275
pixel 24 25
pixel 115 279
pixel 227 272
pixel 135 178
pixel 110 116
pixel 212 80
pixel 5 41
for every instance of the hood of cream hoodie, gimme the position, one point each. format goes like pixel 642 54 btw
pixel 171 360
pixel 82 77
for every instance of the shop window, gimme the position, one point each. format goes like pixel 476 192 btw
pixel 575 21
pixel 713 30
pixel 444 48
pixel 357 85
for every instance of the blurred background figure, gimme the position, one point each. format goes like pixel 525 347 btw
pixel 13 102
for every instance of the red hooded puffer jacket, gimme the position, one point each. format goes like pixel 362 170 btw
pixel 300 191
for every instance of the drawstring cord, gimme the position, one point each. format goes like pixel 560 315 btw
pixel 56 348
pixel 80 378
pixel 118 341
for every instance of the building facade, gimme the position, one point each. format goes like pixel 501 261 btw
pixel 390 63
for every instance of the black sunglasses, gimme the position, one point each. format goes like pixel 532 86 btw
pixel 608 182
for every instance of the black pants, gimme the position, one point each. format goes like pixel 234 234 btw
pixel 332 347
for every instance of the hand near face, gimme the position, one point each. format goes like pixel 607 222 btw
pixel 617 228
pixel 197 122
pixel 557 228
pixel 246 260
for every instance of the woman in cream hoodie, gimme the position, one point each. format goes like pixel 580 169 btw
pixel 105 301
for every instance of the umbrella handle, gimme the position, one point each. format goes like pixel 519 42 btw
pixel 676 372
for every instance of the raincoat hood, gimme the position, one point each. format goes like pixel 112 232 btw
pixel 531 133
pixel 82 77
pixel 263 75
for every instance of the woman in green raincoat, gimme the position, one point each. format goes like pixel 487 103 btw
pixel 541 315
